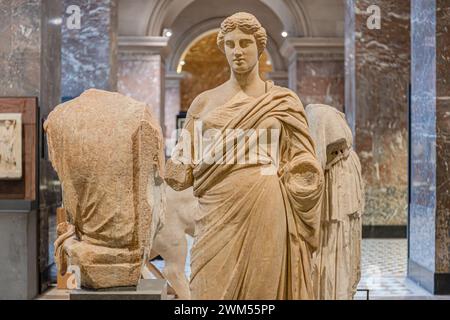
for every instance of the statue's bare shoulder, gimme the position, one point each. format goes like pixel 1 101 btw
pixel 207 99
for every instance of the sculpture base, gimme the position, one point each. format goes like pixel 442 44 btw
pixel 147 289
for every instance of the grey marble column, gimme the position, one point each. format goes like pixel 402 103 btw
pixel 429 228
pixel 280 78
pixel 30 58
pixel 30 66
pixel 89 53
pixel 376 106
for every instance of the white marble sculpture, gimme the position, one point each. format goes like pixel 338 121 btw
pixel 337 260
pixel 170 240
pixel 256 227
pixel 10 145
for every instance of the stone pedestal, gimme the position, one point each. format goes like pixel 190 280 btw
pixel 429 216
pixel 316 69
pixel 148 289
pixel 376 106
pixel 19 274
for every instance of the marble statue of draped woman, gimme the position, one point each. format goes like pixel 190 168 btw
pixel 255 230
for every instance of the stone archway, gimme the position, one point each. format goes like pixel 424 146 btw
pixel 313 34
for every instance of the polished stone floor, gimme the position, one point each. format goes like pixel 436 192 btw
pixel 383 273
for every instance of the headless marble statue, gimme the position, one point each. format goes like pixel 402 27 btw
pixel 108 152
pixel 170 240
pixel 337 260
pixel 255 232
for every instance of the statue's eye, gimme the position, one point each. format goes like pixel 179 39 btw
pixel 245 43
pixel 229 44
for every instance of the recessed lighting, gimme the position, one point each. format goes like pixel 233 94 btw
pixel 284 34
pixel 55 21
pixel 167 33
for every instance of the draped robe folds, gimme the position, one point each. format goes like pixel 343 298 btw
pixel 337 261
pixel 254 233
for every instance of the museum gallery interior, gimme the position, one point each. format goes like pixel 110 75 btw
pixel 225 150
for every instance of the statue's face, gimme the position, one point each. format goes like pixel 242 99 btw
pixel 241 51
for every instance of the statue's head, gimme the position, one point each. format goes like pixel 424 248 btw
pixel 242 39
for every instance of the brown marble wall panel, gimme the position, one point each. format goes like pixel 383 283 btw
pixel 443 136
pixel 378 63
pixel 321 82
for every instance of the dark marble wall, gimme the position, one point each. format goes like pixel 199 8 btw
pixel 443 135
pixel 377 78
pixel 50 96
pixel 430 137
pixel 89 54
pixel 50 57
pixel 30 50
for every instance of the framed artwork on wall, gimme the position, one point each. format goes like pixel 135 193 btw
pixel 10 146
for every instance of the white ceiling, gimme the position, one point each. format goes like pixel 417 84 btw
pixel 316 18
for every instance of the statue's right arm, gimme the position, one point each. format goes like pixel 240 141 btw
pixel 179 167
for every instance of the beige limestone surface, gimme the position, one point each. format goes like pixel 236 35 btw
pixel 108 152
pixel 256 228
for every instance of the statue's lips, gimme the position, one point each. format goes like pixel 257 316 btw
pixel 239 61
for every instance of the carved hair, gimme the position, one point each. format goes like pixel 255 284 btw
pixel 248 24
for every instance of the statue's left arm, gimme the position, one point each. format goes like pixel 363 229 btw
pixel 301 171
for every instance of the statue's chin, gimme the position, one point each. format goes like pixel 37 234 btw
pixel 242 70
pixel 239 71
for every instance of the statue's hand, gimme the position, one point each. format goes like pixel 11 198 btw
pixel 178 175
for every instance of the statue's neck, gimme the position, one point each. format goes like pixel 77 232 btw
pixel 247 81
